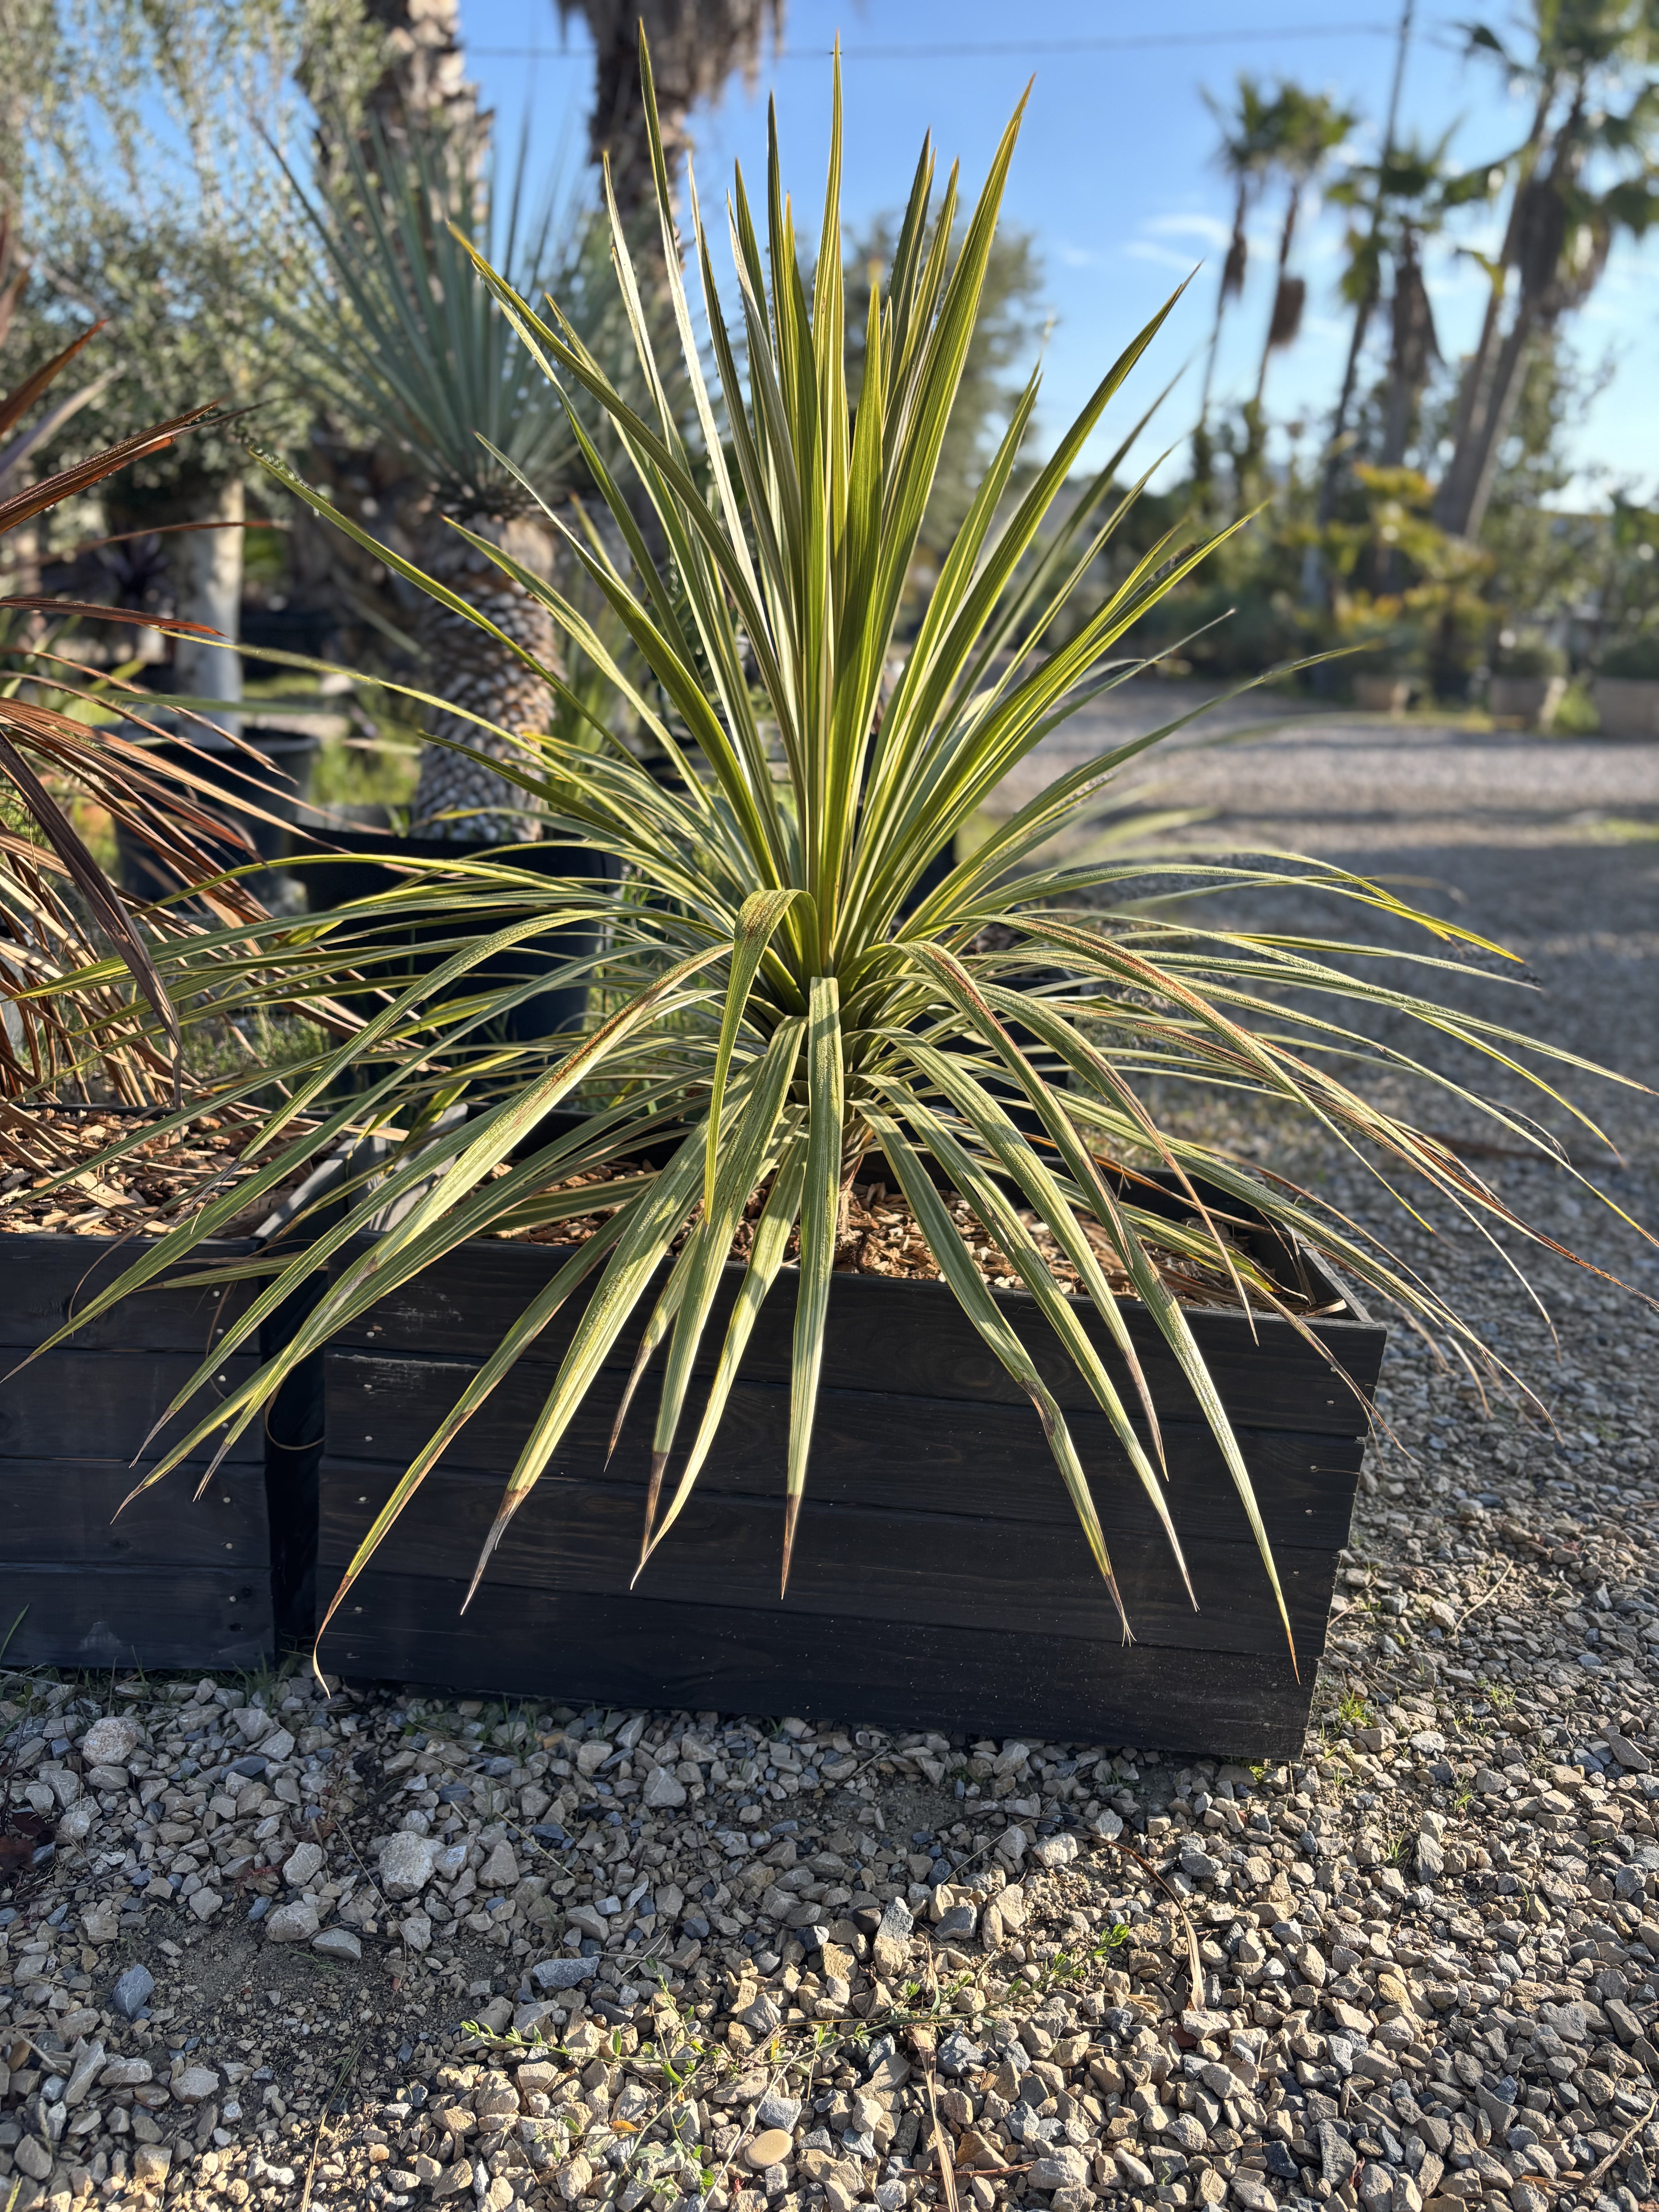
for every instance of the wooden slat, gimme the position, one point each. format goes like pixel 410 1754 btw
pixel 76 1404
pixel 908 1337
pixel 65 1512
pixel 939 1570
pixel 634 1651
pixel 188 1617
pixel 869 1447
pixel 51 1277
pixel 169 1582
pixel 854 1562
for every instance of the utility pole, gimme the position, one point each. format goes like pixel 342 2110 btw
pixel 1313 568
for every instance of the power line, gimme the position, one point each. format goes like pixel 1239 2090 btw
pixel 1003 48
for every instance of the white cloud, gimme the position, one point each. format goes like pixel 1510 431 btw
pixel 1143 249
pixel 1207 227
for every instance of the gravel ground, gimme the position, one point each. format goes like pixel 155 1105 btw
pixel 1548 846
pixel 383 1949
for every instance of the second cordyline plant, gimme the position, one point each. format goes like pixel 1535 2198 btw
pixel 792 985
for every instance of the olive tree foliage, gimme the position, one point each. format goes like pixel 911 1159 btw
pixel 149 200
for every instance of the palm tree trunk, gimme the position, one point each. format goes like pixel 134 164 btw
pixel 1455 501
pixel 1461 507
pixel 1454 498
pixel 1313 578
pixel 1285 238
pixel 1413 352
pixel 1478 370
pixel 1233 278
pixel 456 798
pixel 1313 567
pixel 1397 423
pixel 696 45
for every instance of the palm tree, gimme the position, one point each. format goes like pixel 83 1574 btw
pixel 695 45
pixel 425 71
pixel 1242 156
pixel 1360 289
pixel 1594 85
pixel 1408 196
pixel 1302 130
pixel 410 351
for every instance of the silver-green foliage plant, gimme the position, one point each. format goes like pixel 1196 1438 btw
pixel 149 196
pixel 404 343
pixel 785 993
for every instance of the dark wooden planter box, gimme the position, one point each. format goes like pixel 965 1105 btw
pixel 940 1576
pixel 174 1580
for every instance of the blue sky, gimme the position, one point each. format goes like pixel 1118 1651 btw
pixel 1115 173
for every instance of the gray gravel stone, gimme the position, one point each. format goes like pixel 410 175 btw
pixel 1250 2190
pixel 297 1921
pixel 132 1991
pixel 111 1741
pixel 563 1973
pixel 1065 2168
pixel 775 2110
pixel 303 1865
pixel 662 1791
pixel 406 1864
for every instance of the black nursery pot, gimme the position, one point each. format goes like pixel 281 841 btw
pixel 940 1575
pixel 289 756
pixel 360 868
pixel 172 1579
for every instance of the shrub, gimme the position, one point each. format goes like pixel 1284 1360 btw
pixel 1634 658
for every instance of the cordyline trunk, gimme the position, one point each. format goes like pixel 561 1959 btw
pixel 470 670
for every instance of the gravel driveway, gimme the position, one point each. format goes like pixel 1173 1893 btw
pixel 1549 845
pixel 723 1962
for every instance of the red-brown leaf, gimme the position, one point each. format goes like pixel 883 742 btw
pixel 170 625
pixel 17 402
pixel 24 506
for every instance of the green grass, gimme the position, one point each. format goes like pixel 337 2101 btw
pixel 357 771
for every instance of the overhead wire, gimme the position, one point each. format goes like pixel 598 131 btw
pixel 973 49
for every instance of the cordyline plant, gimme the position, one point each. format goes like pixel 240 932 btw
pixel 786 994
